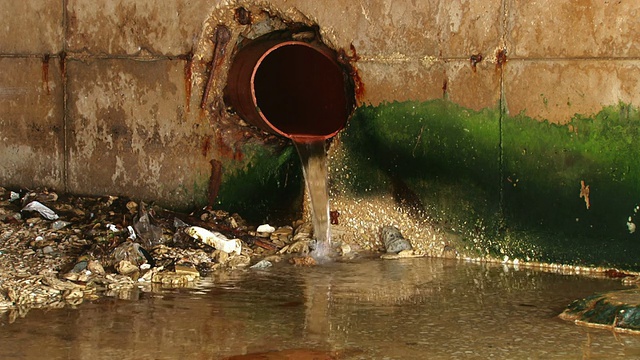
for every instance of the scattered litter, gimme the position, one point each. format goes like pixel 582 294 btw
pixel 262 264
pixel 60 224
pixel 149 234
pixel 265 228
pixel 132 233
pixel 215 239
pixel 44 211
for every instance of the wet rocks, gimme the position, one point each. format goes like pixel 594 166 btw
pixel 618 311
pixel 303 261
pixel 112 246
pixel 393 240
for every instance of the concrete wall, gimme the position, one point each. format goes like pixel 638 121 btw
pixel 104 97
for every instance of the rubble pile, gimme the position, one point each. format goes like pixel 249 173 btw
pixel 62 250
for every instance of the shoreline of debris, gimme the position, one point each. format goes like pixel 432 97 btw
pixel 61 250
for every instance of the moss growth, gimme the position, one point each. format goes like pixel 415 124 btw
pixel 509 185
pixel 266 186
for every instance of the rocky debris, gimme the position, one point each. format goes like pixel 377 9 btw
pixel 57 251
pixel 303 261
pixel 618 311
pixel 69 249
pixel 393 240
pixel 403 254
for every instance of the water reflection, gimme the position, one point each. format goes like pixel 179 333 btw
pixel 403 309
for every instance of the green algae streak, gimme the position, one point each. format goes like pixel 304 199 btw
pixel 266 186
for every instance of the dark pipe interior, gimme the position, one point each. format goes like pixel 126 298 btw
pixel 301 92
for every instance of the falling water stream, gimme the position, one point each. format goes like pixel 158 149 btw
pixel 313 156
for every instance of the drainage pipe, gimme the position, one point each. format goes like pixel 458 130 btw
pixel 292 88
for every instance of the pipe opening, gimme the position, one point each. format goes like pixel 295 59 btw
pixel 292 88
pixel 300 91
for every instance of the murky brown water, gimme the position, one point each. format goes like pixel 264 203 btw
pixel 369 309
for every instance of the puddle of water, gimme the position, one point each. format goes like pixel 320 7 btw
pixel 313 155
pixel 368 309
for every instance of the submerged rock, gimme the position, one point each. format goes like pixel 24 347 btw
pixel 618 311
pixel 393 240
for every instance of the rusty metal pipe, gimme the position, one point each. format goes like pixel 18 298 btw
pixel 292 88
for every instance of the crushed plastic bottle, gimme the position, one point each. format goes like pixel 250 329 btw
pixel 44 211
pixel 215 239
pixel 149 234
pixel 261 265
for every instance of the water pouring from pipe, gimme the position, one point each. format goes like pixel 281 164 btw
pixel 298 90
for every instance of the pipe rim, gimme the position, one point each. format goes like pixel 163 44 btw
pixel 254 99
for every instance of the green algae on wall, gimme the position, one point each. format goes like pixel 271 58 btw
pixel 509 185
pixel 266 185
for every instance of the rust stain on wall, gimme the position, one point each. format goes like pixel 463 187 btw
pixel 475 59
pixel 45 73
pixel 206 146
pixel 188 74
pixel 214 181
pixel 501 58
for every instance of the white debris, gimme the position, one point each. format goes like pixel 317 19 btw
pixel 112 228
pixel 132 233
pixel 265 228
pixel 631 226
pixel 215 239
pixel 262 264
pixel 44 211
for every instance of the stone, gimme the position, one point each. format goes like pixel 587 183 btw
pixel 393 240
pixel 618 311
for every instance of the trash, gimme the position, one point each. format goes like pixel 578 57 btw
pixel 215 239
pixel 178 224
pixel 14 196
pixel 59 224
pixel 44 211
pixel 132 233
pixel 133 253
pixel 393 240
pixel 149 234
pixel 262 264
pixel 265 228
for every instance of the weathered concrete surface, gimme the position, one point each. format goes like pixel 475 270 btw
pixel 31 27
pixel 557 90
pixel 31 122
pixel 129 131
pixel 413 29
pixel 135 27
pixel 573 29
pixel 475 87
